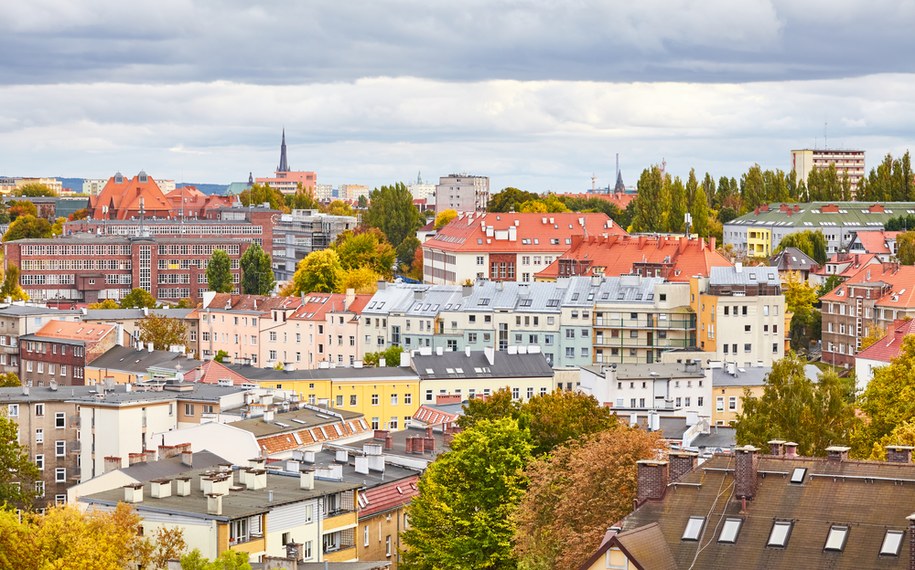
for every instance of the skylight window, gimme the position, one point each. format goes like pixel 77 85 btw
pixel 729 530
pixel 892 542
pixel 835 540
pixel 693 528
pixel 484 301
pixel 781 530
pixel 797 476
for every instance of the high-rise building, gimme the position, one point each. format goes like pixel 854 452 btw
pixel 462 193
pixel 846 162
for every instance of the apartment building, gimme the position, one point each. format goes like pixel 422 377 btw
pixel 876 296
pixel 59 351
pixel 301 232
pixel 462 193
pixel 128 321
pixel 848 163
pixel 19 319
pixel 505 247
pixel 243 326
pixel 729 384
pixel 323 331
pixel 48 428
pixel 741 315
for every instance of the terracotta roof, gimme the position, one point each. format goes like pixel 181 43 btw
pixel 120 198
pixel 258 303
pixel 300 438
pixel 888 347
pixel 87 332
pixel 847 264
pixel 211 372
pixel 194 202
pixel 874 241
pixel 898 279
pixel 498 232
pixel 431 416
pixel 676 258
pixel 389 496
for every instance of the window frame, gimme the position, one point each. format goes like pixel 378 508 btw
pixel 691 532
pixel 731 539
pixel 772 542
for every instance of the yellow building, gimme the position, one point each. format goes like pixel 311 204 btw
pixel 728 386
pixel 759 242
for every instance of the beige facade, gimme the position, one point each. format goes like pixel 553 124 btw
pixel 847 163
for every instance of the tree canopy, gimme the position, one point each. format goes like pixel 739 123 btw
pixel 509 200
pixel 162 332
pixel 444 217
pixel 889 399
pixel 34 190
pixel 228 560
pixel 104 304
pixel 138 299
pixel 17 472
pixel 10 287
pixel 813 243
pixel 339 208
pixel 219 272
pixel 28 226
pixel 264 194
pixel 392 211
pixel 366 247
pixel 462 517
pixel 256 271
pixel 905 248
pixel 319 272
pixel 562 416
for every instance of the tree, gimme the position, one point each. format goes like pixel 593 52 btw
pixel 17 473
pixel 106 304
pixel 678 206
pixel 302 199
pixel 57 228
pixel 391 357
pixel 9 380
pixel 576 493
pixel 648 205
pixel 874 334
pixel 829 284
pixel 80 214
pixel 34 190
pixel 11 287
pixel 162 332
pixel 138 299
pixel 563 416
pixel 221 355
pixel 228 560
pixel 406 252
pixel 905 244
pixel 462 517
pixel 263 194
pixel 28 226
pixel 799 294
pixel 165 544
pixel 444 217
pixel 363 280
pixel 366 247
pixel 319 272
pixel 509 200
pixel 698 210
pixel 340 208
pixel 392 211
pixel 889 399
pixel 19 208
pixel 794 408
pixel 219 272
pixel 800 298
pixel 811 243
pixel 497 406
pixel 256 271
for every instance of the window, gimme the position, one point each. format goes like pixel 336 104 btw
pixel 13 410
pixel 892 542
pixel 393 423
pixel 309 514
pixel 835 540
pixel 39 489
pixel 393 399
pixel 39 461
pixel 60 475
pixel 39 409
pixel 781 530
pixel 352 400
pixel 374 399
pixel 387 546
pixel 719 403
pixel 732 403
pixel 730 530
pixel 339 401
pixel 60 448
pixel 238 531
pixel 39 435
pixel 516 393
pixel 189 409
pixel 365 535
pixel 408 399
pixel 693 528
pixel 376 423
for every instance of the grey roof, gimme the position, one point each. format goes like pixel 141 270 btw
pixel 432 301
pixel 399 439
pixel 754 376
pixel 139 361
pixel 755 275
pixel 809 216
pixel 459 365
pixel 649 371
pixel 172 466
pixel 44 393
pixel 32 310
pixel 672 427
pixel 628 289
pixel 237 504
pixel 295 420
pixel 719 437
pixel 328 456
pixel 257 374
pixel 791 258
pixel 119 394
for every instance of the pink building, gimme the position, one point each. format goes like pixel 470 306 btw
pixel 325 329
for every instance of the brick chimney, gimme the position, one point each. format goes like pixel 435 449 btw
pixel 790 449
pixel 777 447
pixel 112 463
pixel 681 463
pixel 899 453
pixel 652 480
pixel 746 471
pixel 837 453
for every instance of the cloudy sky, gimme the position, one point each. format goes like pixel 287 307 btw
pixel 538 94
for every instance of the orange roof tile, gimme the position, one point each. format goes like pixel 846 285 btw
pixel 262 303
pixel 88 332
pixel 211 372
pixel 874 241
pixel 492 232
pixel 888 347
pixel 121 196
pixel 382 498
pixel 899 278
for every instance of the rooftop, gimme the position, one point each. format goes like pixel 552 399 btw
pixel 458 364
pixel 815 215
pixel 888 347
pixel 129 359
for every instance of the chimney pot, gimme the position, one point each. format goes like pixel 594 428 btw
pixel 790 449
pixel 899 453
pixel 837 453
pixel 776 447
pixel 652 480
pixel 746 471
pixel 681 462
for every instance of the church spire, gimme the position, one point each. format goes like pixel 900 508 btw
pixel 284 166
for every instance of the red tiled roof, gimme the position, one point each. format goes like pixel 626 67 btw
pixel 88 332
pixel 211 372
pixel 278 443
pixel 888 347
pixel 432 417
pixel 492 232
pixel 874 241
pixel 851 264
pixel 620 255
pixel 389 496
pixel 900 278
pixel 121 200
pixel 191 201
pixel 261 303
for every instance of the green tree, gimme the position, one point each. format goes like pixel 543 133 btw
pixel 340 208
pixel 799 294
pixel 444 217
pixel 28 226
pixel 800 298
pixel 509 200
pixel 576 493
pixel 889 399
pixel 794 408
pixel 319 272
pixel 263 194
pixel 302 199
pixel 362 280
pixel 700 212
pixel 391 357
pixel 905 247
pixel 678 206
pixel 17 473
pixel 874 334
pixel 162 332
pixel 57 228
pixel 11 287
pixel 647 204
pixel 563 416
pixel 462 517
pixel 34 190
pixel 18 208
pixel 900 223
pixel 406 252
pixel 9 380
pixel 221 356
pixel 392 211
pixel 138 299
pixel 256 271
pixel 366 247
pixel 106 304
pixel 752 187
pixel 497 406
pixel 813 243
pixel 829 284
pixel 219 272
pixel 228 560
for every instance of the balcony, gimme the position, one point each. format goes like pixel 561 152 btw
pixel 656 324
pixel 339 519
pixel 627 342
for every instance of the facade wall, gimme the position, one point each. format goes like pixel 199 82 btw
pixel 462 193
pixel 729 403
pixel 378 537
pixel 523 389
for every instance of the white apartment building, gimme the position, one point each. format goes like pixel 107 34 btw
pixel 462 193
pixel 847 163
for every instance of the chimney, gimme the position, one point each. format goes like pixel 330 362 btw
pixel 419 446
pixel 258 478
pixel 429 431
pixel 112 463
pixel 214 504
pixel 776 447
pixel 746 471
pixel 837 453
pixel 899 453
pixel 160 488
pixel 187 458
pixel 389 442
pixel 134 458
pixel 429 444
pixel 257 463
pixel 342 456
pixel 362 464
pixel 681 463
pixel 381 434
pixel 911 519
pixel 791 449
pixel 183 486
pixel 307 479
pixel 133 493
pixel 409 447
pixel 652 480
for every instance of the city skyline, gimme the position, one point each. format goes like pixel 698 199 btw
pixel 538 96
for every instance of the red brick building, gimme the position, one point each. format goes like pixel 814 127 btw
pixel 123 198
pixel 60 350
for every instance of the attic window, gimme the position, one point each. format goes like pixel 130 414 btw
pixel 693 528
pixel 526 302
pixel 797 476
pixel 483 302
pixel 892 541
pixel 835 540
pixel 781 530
pixel 730 530
pixel 552 303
